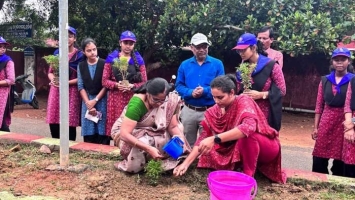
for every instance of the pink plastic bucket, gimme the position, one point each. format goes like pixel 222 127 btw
pixel 226 185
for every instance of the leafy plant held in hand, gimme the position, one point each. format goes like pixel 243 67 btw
pixel 246 70
pixel 153 171
pixel 53 61
pixel 122 65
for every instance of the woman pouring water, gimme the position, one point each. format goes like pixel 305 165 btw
pixel 236 134
pixel 146 124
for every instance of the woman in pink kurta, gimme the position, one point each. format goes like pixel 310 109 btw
pixel 348 153
pixel 328 123
pixel 7 78
pixel 236 134
pixel 75 56
pixel 118 93
pixel 268 82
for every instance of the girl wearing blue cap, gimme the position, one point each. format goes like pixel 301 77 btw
pixel 348 154
pixel 328 122
pixel 119 94
pixel 268 82
pixel 7 78
pixel 75 56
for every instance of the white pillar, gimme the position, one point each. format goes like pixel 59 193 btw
pixel 64 83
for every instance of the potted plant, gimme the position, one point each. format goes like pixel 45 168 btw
pixel 53 61
pixel 246 70
pixel 122 65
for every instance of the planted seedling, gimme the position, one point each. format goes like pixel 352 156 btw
pixel 153 171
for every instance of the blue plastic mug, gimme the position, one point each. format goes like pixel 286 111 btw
pixel 174 147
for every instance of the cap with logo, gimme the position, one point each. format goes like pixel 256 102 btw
pixel 128 35
pixel 246 40
pixel 341 52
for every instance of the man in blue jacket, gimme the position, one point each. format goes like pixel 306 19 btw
pixel 193 85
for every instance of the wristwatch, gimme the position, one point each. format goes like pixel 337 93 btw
pixel 96 99
pixel 217 139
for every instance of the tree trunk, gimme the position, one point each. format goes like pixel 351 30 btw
pixel 152 66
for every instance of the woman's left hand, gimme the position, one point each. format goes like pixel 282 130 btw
pixel 350 135
pixel 206 145
pixel 254 94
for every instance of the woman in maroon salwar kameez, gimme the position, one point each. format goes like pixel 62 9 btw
pixel 328 122
pixel 236 133
pixel 119 94
pixel 268 82
pixel 348 150
pixel 75 56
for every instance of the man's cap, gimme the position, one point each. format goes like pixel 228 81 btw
pixel 246 40
pixel 199 38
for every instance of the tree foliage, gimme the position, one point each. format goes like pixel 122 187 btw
pixel 162 26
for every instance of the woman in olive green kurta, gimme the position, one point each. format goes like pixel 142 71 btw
pixel 146 124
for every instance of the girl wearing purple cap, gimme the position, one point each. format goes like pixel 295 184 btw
pixel 119 94
pixel 268 82
pixel 328 122
pixel 7 78
pixel 75 56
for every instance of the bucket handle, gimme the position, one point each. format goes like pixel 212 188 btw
pixel 179 141
pixel 255 190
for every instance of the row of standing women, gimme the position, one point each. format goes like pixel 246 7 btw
pixel 335 137
pixel 95 86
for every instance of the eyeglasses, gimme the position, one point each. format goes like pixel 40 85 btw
pixel 155 100
pixel 2 47
pixel 201 46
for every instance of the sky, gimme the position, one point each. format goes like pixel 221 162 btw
pixel 31 3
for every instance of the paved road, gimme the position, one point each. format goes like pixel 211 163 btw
pixel 292 157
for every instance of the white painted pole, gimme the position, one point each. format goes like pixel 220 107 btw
pixel 64 83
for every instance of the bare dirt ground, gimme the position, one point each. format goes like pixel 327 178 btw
pixel 23 174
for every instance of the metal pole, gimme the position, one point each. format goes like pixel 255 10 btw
pixel 64 83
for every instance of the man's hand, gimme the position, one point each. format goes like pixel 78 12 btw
pixel 197 93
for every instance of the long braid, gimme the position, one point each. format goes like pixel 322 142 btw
pixel 138 77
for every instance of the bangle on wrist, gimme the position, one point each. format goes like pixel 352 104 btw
pixel 135 144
